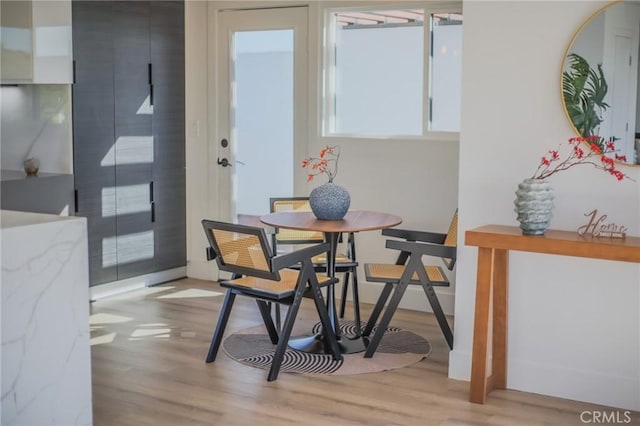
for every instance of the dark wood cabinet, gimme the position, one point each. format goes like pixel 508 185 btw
pixel 94 133
pixel 167 57
pixel 129 153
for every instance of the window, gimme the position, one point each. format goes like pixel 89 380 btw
pixel 445 60
pixel 375 79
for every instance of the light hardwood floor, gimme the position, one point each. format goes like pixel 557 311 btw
pixel 148 369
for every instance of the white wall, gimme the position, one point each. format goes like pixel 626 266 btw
pixel 415 179
pixel 199 165
pixel 574 324
pixel 36 122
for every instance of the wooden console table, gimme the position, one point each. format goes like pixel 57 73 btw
pixel 494 243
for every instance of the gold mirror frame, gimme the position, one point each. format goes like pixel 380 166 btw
pixel 577 34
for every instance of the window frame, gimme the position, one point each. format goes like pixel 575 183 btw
pixel 328 68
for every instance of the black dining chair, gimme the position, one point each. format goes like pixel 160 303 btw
pixel 409 269
pixel 345 262
pixel 245 252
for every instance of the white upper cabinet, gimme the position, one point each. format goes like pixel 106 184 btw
pixel 36 42
pixel 16 62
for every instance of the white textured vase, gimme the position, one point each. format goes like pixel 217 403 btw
pixel 534 203
pixel 329 201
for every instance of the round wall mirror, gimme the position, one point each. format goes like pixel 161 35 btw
pixel 600 90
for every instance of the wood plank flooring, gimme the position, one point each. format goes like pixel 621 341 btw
pixel 148 369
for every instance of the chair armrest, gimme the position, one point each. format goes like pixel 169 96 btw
pixel 435 250
pixel 409 235
pixel 290 259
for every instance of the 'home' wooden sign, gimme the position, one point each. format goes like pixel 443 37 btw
pixel 598 227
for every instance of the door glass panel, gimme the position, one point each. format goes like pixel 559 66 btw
pixel 262 118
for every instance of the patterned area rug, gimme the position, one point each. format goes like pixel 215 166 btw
pixel 398 348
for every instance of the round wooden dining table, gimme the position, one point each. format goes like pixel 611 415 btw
pixel 354 221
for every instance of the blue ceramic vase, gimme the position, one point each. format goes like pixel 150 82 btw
pixel 329 201
pixel 534 203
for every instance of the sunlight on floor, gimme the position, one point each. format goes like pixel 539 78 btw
pixel 100 340
pixel 96 319
pixel 151 332
pixel 99 323
pixel 192 292
pixel 137 292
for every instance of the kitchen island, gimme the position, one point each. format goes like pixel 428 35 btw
pixel 46 362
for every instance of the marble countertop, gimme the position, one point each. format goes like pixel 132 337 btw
pixel 45 340
pixel 13 219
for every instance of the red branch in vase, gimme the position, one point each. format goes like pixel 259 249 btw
pixel 325 163
pixel 595 154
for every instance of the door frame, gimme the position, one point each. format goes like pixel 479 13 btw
pixel 219 204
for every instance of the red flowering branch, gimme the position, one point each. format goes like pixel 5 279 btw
pixel 595 154
pixel 326 163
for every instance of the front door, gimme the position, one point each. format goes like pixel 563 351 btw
pixel 261 102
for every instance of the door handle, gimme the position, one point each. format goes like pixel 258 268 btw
pixel 224 162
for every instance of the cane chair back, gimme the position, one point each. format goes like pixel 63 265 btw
pixel 294 236
pixel 241 250
pixel 285 236
pixel 245 252
pixel 451 240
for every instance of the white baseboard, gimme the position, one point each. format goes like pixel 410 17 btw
pixel 561 382
pixel 135 283
pixel 414 298
pixel 581 385
pixel 459 365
